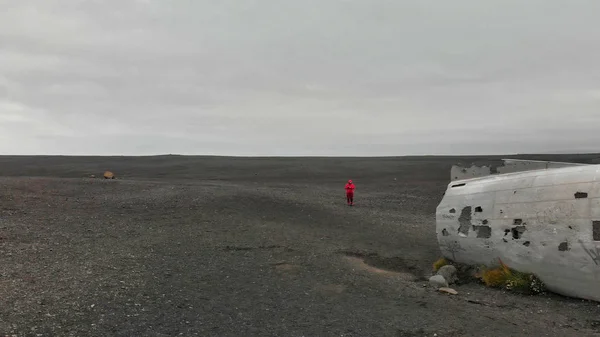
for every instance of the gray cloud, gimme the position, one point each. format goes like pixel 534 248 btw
pixel 310 77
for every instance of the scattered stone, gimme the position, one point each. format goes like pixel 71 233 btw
pixel 476 302
pixel 438 281
pixel 448 291
pixel 449 273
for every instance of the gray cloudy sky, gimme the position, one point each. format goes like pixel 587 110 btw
pixel 310 77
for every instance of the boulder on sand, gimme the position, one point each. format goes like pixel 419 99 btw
pixel 449 273
pixel 109 175
pixel 438 281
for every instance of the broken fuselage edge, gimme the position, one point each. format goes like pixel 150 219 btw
pixel 543 221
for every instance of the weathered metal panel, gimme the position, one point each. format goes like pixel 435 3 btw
pixel 594 192
pixel 547 193
pixel 492 183
pixel 535 221
pixel 458 172
pixel 565 176
pixel 547 212
pixel 518 165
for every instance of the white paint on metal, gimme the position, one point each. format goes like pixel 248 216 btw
pixel 538 221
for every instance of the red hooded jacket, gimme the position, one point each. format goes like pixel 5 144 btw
pixel 350 187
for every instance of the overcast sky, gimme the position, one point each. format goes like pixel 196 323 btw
pixel 289 77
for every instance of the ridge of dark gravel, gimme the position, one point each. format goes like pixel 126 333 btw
pixel 218 246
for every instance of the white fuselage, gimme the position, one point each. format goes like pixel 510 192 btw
pixel 539 221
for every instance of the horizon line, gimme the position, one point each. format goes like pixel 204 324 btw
pixel 304 156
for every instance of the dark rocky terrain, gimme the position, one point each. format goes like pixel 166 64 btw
pixel 211 246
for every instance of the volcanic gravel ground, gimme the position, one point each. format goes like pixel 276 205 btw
pixel 209 246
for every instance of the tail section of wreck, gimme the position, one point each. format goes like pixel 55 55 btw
pixel 537 218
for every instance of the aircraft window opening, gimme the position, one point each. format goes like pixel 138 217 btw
pixel 596 230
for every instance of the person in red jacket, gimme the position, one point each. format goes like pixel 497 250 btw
pixel 350 193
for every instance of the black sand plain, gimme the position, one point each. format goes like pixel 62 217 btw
pixel 218 246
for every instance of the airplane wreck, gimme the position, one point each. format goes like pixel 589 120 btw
pixel 537 217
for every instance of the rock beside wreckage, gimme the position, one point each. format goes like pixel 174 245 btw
pixel 438 281
pixel 449 273
pixel 448 291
